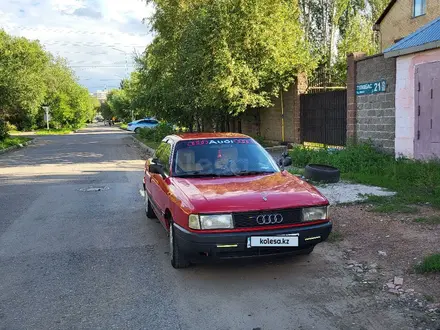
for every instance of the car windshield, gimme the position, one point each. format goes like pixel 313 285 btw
pixel 221 157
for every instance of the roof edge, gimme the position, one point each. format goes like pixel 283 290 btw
pixel 412 50
pixel 385 12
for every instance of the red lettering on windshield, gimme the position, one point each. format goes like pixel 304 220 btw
pixel 196 143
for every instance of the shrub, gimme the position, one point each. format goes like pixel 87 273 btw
pixel 430 264
pixel 157 133
pixel 10 127
pixel 259 139
pixel 3 130
pixel 162 130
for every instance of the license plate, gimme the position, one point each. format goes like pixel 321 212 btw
pixel 273 241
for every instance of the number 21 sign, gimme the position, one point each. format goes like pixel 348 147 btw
pixel 371 88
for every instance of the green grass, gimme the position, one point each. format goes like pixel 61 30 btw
pixel 335 237
pixel 151 144
pixel 123 126
pixel 53 131
pixel 415 182
pixel 13 141
pixel 433 220
pixel 430 264
pixel 297 171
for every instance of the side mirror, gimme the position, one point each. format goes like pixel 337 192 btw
pixel 156 169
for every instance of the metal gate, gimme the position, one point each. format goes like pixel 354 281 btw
pixel 324 118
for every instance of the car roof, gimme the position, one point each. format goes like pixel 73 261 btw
pixel 198 136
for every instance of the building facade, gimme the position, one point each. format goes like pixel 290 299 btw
pixel 403 17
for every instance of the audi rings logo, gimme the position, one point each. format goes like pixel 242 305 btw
pixel 269 219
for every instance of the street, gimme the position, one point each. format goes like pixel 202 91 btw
pixel 77 251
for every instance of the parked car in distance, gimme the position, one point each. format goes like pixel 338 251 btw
pixel 136 125
pixel 221 195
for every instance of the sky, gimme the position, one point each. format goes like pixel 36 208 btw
pixel 97 37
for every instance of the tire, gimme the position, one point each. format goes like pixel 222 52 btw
pixel 137 130
pixel 322 173
pixel 148 208
pixel 178 259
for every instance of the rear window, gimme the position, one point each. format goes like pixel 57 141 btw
pixel 221 157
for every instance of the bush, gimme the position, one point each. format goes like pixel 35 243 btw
pixel 430 264
pixel 156 134
pixel 258 138
pixel 3 130
pixel 10 127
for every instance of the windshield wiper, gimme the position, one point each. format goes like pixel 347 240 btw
pixel 196 175
pixel 254 172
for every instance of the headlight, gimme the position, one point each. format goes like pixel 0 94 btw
pixel 214 221
pixel 315 213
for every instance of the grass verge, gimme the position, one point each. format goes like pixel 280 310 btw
pixel 430 264
pixel 53 131
pixel 432 220
pixel 13 141
pixel 123 126
pixel 414 182
pixel 151 144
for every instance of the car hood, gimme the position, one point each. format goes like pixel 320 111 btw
pixel 238 194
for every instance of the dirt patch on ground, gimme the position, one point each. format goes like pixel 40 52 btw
pixel 382 249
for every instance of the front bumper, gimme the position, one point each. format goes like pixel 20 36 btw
pixel 234 245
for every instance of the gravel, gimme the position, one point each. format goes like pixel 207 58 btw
pixel 344 192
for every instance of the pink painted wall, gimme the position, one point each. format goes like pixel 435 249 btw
pixel 405 99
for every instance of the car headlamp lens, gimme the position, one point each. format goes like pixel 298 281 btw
pixel 315 213
pixel 216 221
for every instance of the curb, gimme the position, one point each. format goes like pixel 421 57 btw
pixel 16 147
pixel 143 146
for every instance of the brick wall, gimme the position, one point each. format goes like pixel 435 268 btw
pixel 267 122
pixel 250 122
pixel 399 22
pixel 375 113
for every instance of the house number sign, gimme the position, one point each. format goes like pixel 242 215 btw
pixel 371 88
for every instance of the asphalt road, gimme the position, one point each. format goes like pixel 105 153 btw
pixel 77 259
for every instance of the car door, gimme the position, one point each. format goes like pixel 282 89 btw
pixel 142 123
pixel 160 185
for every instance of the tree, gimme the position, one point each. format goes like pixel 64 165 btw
pixel 335 27
pixel 22 87
pixel 30 77
pixel 214 59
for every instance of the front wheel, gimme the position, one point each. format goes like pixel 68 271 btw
pixel 178 259
pixel 148 208
pixel 137 130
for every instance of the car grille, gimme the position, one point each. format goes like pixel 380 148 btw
pixel 250 219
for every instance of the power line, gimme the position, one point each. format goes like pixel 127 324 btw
pixel 73 31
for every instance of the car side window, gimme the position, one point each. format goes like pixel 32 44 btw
pixel 163 154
